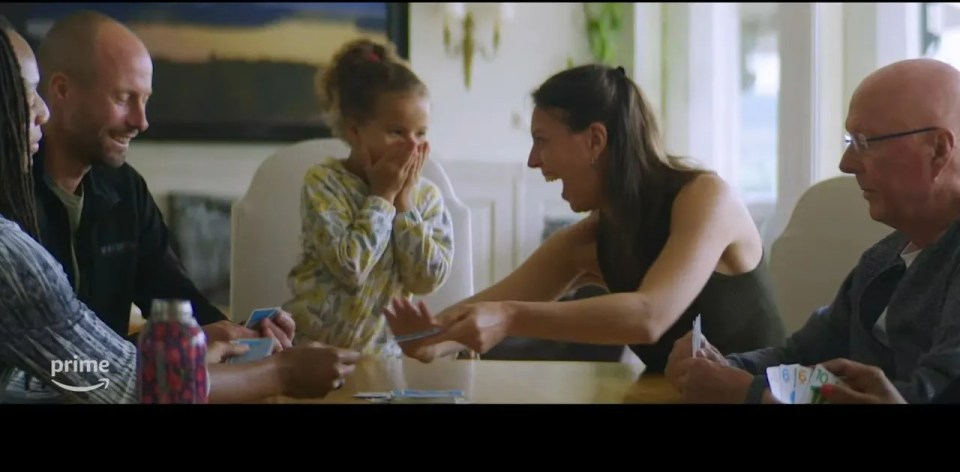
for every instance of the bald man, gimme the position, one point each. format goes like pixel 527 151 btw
pixel 899 308
pixel 97 217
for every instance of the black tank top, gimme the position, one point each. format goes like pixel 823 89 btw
pixel 738 312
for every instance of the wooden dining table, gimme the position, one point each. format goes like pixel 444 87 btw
pixel 505 382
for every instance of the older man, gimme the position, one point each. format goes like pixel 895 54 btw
pixel 899 309
pixel 97 217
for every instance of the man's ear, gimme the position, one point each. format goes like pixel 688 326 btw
pixel 943 146
pixel 58 87
pixel 597 134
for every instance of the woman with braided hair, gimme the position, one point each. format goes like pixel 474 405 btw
pixel 21 115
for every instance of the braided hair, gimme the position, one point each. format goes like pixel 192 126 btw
pixel 17 201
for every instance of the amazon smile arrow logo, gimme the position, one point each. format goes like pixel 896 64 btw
pixel 80 366
pixel 103 383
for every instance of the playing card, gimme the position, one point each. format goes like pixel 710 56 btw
pixel 697 336
pixel 802 385
pixel 428 396
pixel 787 375
pixel 815 395
pixel 821 376
pixel 427 393
pixel 377 397
pixel 776 384
pixel 260 314
pixel 414 396
pixel 418 335
pixel 797 384
pixel 259 348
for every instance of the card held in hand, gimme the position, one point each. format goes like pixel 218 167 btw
pixel 261 314
pixel 259 348
pixel 697 337
pixel 799 385
pixel 417 336
pixel 776 386
pixel 818 378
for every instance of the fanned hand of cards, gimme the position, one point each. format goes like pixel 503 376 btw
pixel 799 385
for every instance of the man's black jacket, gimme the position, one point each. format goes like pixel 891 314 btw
pixel 122 244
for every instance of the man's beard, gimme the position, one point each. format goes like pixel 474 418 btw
pixel 94 151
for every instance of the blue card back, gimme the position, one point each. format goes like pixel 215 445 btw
pixel 259 348
pixel 259 315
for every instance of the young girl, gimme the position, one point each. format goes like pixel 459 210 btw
pixel 372 229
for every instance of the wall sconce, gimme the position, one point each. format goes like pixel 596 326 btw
pixel 468 45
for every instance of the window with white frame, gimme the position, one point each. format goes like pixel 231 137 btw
pixel 940 32
pixel 731 70
pixel 759 99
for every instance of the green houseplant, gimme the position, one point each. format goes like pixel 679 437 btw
pixel 604 21
pixel 602 25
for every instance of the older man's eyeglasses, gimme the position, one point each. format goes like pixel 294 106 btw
pixel 861 143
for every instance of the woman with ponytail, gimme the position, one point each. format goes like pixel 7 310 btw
pixel 668 240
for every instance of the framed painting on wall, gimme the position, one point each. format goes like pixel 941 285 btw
pixel 234 71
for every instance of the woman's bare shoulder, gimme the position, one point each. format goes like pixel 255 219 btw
pixel 707 186
pixel 710 207
pixel 584 230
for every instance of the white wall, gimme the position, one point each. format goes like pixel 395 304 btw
pixel 476 125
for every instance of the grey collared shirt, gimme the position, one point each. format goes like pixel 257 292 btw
pixel 922 353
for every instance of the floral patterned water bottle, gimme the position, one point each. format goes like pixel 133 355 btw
pixel 171 366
